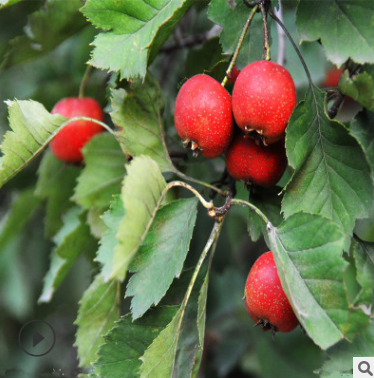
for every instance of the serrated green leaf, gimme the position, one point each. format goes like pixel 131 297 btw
pixel 364 259
pixel 56 182
pixel 137 113
pixel 23 206
pixel 340 356
pixel 46 28
pixel 232 19
pixel 308 250
pixel 360 87
pixel 72 239
pixel 344 27
pixel 136 29
pixel 32 129
pixel 99 309
pixel 112 219
pixel 141 193
pixel 103 173
pixel 161 255
pixel 331 177
pixel 126 343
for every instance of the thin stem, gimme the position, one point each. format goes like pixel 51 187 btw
pixel 192 179
pixel 206 204
pixel 266 32
pixel 241 39
pixel 280 23
pixel 252 207
pixel 81 118
pixel 84 81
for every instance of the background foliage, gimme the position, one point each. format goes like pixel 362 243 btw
pixel 112 254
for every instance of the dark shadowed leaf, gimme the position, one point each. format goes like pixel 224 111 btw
pixel 120 356
pixel 331 177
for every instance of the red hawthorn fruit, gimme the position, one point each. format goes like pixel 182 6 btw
pixel 265 299
pixel 203 115
pixel 332 77
pixel 263 99
pixel 254 163
pixel 70 140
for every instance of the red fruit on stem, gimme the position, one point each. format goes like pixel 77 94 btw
pixel 265 299
pixel 70 140
pixel 203 115
pixel 254 163
pixel 332 77
pixel 263 99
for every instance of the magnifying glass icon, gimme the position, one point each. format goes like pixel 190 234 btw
pixel 364 367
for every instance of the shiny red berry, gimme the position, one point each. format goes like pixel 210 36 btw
pixel 263 99
pixel 255 163
pixel 70 140
pixel 265 300
pixel 332 77
pixel 203 115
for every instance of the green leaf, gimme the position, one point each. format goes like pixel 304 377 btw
pixel 340 356
pixel 360 87
pixel 32 129
pixel 112 219
pixel 46 28
pixel 22 208
pixel 135 32
pixel 232 18
pixel 137 112
pixel 331 177
pixel 176 349
pixel 126 343
pixel 103 172
pixel 361 129
pixel 56 182
pixel 364 258
pixel 141 193
pixel 162 254
pixel 344 28
pixel 308 253
pixel 99 309
pixel 73 238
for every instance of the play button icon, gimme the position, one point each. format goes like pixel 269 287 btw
pixel 36 338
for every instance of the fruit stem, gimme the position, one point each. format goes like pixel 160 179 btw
pixel 252 207
pixel 84 81
pixel 82 118
pixel 280 23
pixel 266 31
pixel 239 45
pixel 206 204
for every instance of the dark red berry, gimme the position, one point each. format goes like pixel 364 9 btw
pixel 255 163
pixel 265 300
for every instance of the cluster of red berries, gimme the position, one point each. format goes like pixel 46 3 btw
pixel 261 104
